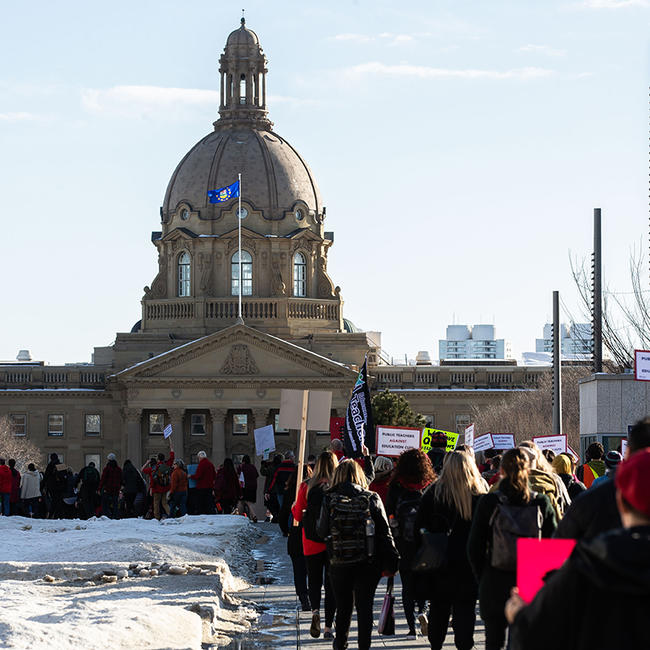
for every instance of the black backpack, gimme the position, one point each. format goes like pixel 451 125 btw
pixel 312 512
pixel 509 523
pixel 162 474
pixel 406 511
pixel 348 515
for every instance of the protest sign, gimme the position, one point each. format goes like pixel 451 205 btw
pixel 337 428
pixel 503 440
pixel 535 558
pixel 264 440
pixel 392 441
pixel 191 469
pixel 318 410
pixel 623 447
pixel 572 452
pixel 483 442
pixel 554 443
pixel 469 436
pixel 427 438
pixel 642 365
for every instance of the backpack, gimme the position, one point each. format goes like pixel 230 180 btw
pixel 509 523
pixel 543 483
pixel 312 512
pixel 162 474
pixel 406 511
pixel 348 544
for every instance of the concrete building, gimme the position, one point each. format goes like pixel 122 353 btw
pixel 576 340
pixel 190 361
pixel 476 342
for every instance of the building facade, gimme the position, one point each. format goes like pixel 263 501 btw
pixel 576 340
pixel 476 342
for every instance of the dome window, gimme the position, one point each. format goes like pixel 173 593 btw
pixel 246 274
pixel 299 214
pixel 242 89
pixel 184 269
pixel 185 215
pixel 299 275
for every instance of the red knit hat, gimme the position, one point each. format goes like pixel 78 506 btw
pixel 633 480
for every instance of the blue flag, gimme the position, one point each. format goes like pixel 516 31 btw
pixel 224 194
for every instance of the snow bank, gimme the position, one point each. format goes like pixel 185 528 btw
pixel 79 609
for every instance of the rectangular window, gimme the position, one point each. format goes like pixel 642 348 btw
pixel 55 425
pixel 18 423
pixel 462 421
pixel 240 424
pixel 95 458
pixel 93 424
pixel 279 431
pixel 156 424
pixel 198 424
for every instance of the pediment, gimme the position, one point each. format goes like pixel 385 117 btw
pixel 238 353
pixel 304 233
pixel 180 233
pixel 245 232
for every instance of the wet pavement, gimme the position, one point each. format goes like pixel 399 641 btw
pixel 281 624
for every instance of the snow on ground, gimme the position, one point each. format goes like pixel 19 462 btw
pixel 85 602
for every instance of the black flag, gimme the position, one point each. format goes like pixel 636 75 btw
pixel 359 428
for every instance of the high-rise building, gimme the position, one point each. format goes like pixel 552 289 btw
pixel 476 342
pixel 576 340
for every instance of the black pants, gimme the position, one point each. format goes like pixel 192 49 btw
pixel 495 632
pixel 129 500
pixel 317 567
pixel 409 598
pixel 205 501
pixel 462 602
pixel 354 585
pixel 299 576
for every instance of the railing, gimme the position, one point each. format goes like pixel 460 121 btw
pixel 170 310
pixel 313 309
pixel 54 377
pixel 17 377
pixel 253 309
pixel 499 378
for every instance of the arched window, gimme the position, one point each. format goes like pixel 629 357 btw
pixel 246 274
pixel 299 275
pixel 184 275
pixel 242 89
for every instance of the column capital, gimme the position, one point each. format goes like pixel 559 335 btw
pixel 218 415
pixel 131 414
pixel 176 413
pixel 260 415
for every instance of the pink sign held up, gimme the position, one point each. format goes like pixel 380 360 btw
pixel 535 558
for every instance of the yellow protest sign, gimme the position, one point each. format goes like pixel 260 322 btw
pixel 427 433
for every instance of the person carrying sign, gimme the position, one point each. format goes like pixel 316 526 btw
pixel 160 480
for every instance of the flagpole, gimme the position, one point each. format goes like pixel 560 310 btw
pixel 239 254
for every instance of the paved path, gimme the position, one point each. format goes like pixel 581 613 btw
pixel 281 624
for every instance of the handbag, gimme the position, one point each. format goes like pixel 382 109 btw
pixel 433 551
pixel 386 626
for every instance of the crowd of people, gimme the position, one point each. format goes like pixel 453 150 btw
pixel 448 523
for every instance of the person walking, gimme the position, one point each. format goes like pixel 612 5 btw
pixel 563 467
pixel 30 490
pixel 109 487
pixel 14 500
pixel 594 465
pixel 248 475
pixel 160 478
pixel 88 484
pixel 306 510
pixel 132 485
pixel 411 477
pixel 360 546
pixel 383 475
pixel 447 507
pixel 178 490
pixel 204 477
pixel 227 489
pixel 53 487
pixel 6 485
pixel 612 459
pixel 492 544
pixel 284 470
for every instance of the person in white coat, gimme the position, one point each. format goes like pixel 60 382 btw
pixel 30 490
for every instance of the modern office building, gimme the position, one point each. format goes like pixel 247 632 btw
pixel 576 340
pixel 476 342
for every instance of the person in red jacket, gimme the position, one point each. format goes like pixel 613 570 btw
pixel 227 488
pixel 204 477
pixel 159 481
pixel 109 487
pixel 15 487
pixel 6 485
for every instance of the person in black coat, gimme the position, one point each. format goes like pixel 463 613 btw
pixel 600 597
pixel 495 583
pixel 133 484
pixel 354 582
pixel 448 506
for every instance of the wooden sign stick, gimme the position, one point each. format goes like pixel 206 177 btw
pixel 301 445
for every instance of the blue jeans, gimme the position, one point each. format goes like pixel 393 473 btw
pixel 178 500
pixel 6 506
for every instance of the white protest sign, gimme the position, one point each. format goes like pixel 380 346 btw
pixel 318 411
pixel 264 440
pixel 642 365
pixel 483 442
pixel 392 441
pixel 554 443
pixel 623 447
pixel 469 436
pixel 571 452
pixel 503 440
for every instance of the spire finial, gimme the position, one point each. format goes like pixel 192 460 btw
pixel 243 20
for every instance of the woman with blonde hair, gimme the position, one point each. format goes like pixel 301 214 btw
pixel 306 509
pixel 448 506
pixel 491 546
pixel 360 547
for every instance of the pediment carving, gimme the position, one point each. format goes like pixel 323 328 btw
pixel 239 362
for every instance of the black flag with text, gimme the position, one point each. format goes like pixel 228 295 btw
pixel 359 429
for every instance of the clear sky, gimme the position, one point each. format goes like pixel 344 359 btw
pixel 460 148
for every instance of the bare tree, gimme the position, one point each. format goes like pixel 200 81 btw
pixel 529 413
pixel 18 447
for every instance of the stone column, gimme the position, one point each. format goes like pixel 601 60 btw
pixel 178 435
pixel 260 419
pixel 218 435
pixel 132 418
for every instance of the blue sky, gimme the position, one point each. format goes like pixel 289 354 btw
pixel 460 148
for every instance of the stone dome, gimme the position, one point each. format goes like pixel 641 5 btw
pixel 242 37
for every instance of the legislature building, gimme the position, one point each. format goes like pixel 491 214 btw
pixel 190 361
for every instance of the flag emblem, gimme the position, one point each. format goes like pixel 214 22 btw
pixel 224 194
pixel 167 431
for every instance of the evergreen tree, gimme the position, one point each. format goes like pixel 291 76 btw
pixel 389 409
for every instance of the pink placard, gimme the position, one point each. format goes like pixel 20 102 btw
pixel 535 558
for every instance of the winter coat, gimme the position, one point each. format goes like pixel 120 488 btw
pixel 226 487
pixel 309 547
pixel 30 485
pixel 6 479
pixel 437 516
pixel 178 482
pixel 250 480
pixel 593 512
pixel 599 598
pixel 149 471
pixel 380 484
pixel 53 479
pixel 15 486
pixel 495 584
pixel 590 471
pixel 111 480
pixel 386 557
pixel 285 469
pixel 573 486
pixel 89 479
pixel 204 475
pixel 131 480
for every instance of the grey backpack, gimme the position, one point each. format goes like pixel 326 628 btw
pixel 509 523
